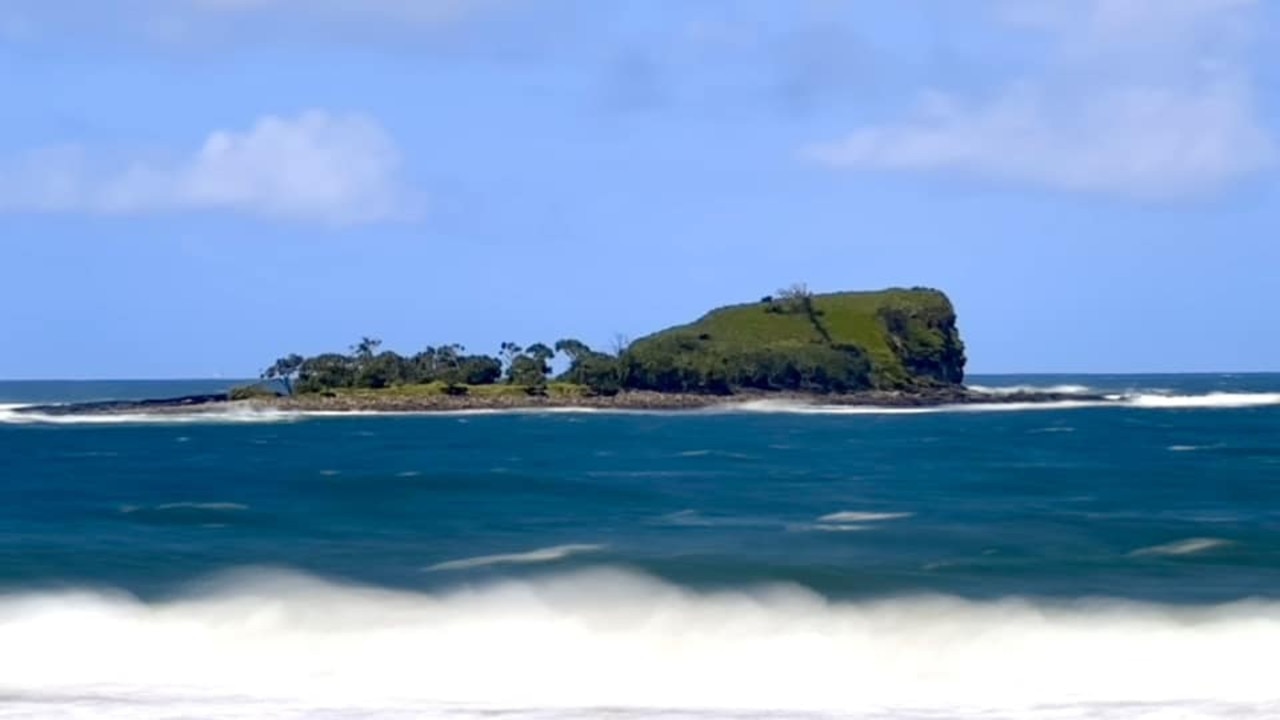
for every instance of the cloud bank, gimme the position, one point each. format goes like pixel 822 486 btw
pixel 1147 99
pixel 317 167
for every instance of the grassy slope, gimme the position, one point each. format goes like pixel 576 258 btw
pixel 848 317
pixel 437 389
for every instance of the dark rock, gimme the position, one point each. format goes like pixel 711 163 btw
pixel 113 407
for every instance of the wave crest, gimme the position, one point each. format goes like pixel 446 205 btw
pixel 1190 546
pixel 541 555
pixel 1065 389
pixel 1144 401
pixel 1206 401
pixel 849 516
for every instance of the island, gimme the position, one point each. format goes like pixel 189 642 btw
pixel 897 348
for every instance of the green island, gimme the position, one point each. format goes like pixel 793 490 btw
pixel 889 347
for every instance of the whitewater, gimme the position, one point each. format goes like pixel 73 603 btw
pixel 1082 560
pixel 15 414
pixel 620 640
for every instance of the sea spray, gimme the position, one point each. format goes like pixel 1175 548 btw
pixel 612 638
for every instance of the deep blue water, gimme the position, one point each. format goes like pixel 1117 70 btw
pixel 66 391
pixel 1170 500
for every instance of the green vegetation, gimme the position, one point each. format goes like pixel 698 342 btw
pixel 892 339
pixel 797 341
pixel 251 392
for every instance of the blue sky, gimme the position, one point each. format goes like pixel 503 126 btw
pixel 193 187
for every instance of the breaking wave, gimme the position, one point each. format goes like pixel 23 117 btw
pixel 801 408
pixel 254 643
pixel 14 415
pixel 1147 401
pixel 1015 389
pixel 541 555
pixel 862 517
pixel 1190 546
pixel 1210 400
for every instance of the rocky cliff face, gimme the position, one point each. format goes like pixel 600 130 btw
pixel 925 339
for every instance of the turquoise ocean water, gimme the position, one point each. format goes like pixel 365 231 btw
pixel 1063 561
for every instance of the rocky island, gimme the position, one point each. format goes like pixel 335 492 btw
pixel 889 348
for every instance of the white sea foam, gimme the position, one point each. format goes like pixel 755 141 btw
pixel 693 518
pixel 1146 401
pixel 1015 389
pixel 801 408
pixel 827 527
pixel 686 518
pixel 1143 400
pixel 1190 546
pixel 275 645
pixel 541 555
pixel 207 506
pixel 1210 400
pixel 863 517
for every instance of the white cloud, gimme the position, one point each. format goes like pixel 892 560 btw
pixel 1141 98
pixel 315 167
pixel 1148 142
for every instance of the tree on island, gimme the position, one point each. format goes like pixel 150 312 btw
pixel 599 372
pixel 510 351
pixel 573 349
pixel 366 348
pixel 794 299
pixel 285 370
pixel 529 366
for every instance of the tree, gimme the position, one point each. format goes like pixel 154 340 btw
pixel 366 348
pixel 448 366
pixel 480 369
pixel 542 355
pixel 600 373
pixel 796 298
pixel 527 366
pixel 381 371
pixel 326 372
pixel 573 349
pixel 285 370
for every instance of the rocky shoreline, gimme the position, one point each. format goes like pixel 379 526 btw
pixel 635 401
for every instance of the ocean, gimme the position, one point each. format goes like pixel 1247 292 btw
pixel 1043 562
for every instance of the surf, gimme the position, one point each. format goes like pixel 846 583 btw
pixel 610 638
pixel 532 557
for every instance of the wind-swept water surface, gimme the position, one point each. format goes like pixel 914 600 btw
pixel 1040 562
